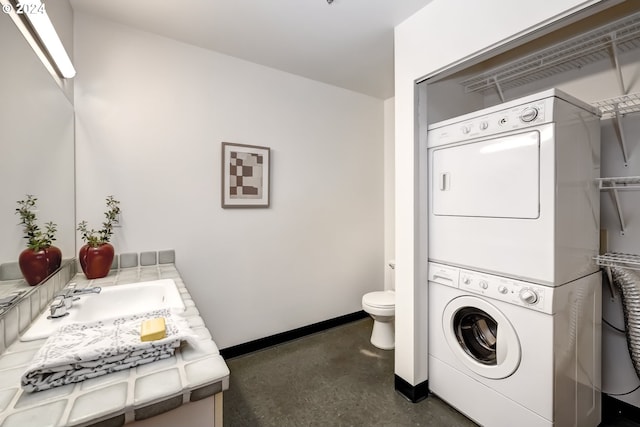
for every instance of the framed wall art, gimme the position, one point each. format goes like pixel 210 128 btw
pixel 245 176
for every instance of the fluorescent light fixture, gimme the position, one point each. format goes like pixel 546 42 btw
pixel 37 16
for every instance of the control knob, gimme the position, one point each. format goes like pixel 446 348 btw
pixel 466 280
pixel 466 129
pixel 484 125
pixel 529 296
pixel 529 114
pixel 483 284
pixel 503 289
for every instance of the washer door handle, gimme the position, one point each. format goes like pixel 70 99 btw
pixel 502 347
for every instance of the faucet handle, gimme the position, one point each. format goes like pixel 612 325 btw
pixel 92 290
pixel 66 293
pixel 73 291
pixel 58 307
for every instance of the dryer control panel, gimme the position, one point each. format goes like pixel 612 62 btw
pixel 524 294
pixel 491 123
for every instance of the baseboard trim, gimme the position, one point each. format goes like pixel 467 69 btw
pixel 262 343
pixel 414 393
pixel 613 408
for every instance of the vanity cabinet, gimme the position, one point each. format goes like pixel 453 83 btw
pixel 185 389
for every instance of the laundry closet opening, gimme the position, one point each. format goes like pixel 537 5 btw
pixel 595 58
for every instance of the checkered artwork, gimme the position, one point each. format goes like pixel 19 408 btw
pixel 245 176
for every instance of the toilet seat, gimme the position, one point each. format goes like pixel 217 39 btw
pixel 380 299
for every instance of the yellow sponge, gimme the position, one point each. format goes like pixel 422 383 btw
pixel 153 329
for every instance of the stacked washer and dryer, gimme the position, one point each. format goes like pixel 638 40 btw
pixel 514 292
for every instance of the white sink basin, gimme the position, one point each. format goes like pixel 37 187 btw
pixel 111 302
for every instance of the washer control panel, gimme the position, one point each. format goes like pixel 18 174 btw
pixel 444 274
pixel 529 295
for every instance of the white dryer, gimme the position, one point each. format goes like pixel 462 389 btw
pixel 513 189
pixel 510 353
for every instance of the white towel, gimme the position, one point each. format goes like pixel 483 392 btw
pixel 80 351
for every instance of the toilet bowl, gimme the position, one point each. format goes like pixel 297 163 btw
pixel 381 306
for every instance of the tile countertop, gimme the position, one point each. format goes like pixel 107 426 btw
pixel 120 397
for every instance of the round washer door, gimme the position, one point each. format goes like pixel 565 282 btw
pixel 481 337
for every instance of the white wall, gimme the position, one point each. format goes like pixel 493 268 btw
pixel 151 115
pixel 427 42
pixel 389 191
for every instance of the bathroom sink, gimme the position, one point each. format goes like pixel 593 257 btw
pixel 111 302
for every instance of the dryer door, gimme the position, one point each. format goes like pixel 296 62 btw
pixel 481 337
pixel 494 178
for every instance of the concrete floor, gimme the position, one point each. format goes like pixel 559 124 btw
pixel 332 378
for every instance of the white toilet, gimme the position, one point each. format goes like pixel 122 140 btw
pixel 381 305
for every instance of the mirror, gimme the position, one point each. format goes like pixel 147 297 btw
pixel 36 154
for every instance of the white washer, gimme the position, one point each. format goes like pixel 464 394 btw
pixel 510 353
pixel 513 189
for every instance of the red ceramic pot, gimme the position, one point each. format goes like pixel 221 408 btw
pixel 55 258
pixel 96 261
pixel 38 265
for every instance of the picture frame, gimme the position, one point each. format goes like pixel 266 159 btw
pixel 245 176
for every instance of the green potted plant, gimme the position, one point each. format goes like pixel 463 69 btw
pixel 96 255
pixel 40 259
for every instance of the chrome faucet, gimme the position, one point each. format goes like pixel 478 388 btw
pixel 65 298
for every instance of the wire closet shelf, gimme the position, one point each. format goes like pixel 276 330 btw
pixel 619 36
pixel 620 183
pixel 625 104
pixel 617 259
